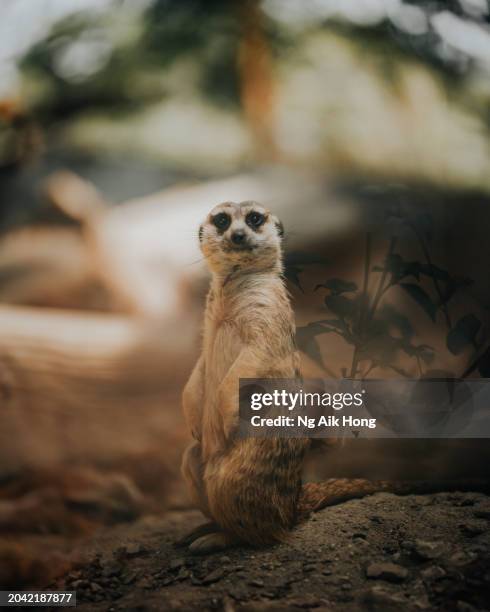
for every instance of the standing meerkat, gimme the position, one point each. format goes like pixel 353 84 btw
pixel 250 488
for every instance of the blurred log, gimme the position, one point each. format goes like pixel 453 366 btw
pixel 50 266
pixel 145 252
pixel 79 386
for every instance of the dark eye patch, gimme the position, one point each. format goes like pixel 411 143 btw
pixel 254 219
pixel 221 221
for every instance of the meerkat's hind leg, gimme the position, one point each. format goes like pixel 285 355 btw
pixel 201 530
pixel 212 542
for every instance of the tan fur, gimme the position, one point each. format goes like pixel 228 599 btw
pixel 248 487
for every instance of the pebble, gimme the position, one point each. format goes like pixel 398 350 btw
pixel 429 550
pixel 213 576
pixel 460 558
pixel 111 569
pixel 133 550
pixel 473 528
pixel 176 564
pixel 381 598
pixel 433 572
pixel 482 512
pixel 387 571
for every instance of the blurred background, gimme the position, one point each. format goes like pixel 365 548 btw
pixel 122 123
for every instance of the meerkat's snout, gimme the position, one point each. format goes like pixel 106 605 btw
pixel 244 234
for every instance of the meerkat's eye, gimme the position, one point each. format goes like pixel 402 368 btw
pixel 255 219
pixel 222 221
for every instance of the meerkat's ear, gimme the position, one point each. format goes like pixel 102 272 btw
pixel 279 228
pixel 201 229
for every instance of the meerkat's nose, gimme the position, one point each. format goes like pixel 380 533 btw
pixel 238 237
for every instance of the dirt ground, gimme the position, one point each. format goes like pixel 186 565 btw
pixel 380 553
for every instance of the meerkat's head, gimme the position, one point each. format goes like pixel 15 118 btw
pixel 241 236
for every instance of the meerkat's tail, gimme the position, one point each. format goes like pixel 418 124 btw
pixel 317 495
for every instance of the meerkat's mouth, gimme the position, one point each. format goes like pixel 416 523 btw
pixel 239 248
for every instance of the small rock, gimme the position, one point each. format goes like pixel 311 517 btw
pixel 183 574
pixel 238 592
pixel 133 550
pixel 387 571
pixel 433 572
pixel 256 582
pixel 460 558
pixel 383 600
pixel 130 577
pixel 79 584
pixel 429 550
pixel 176 564
pixel 473 528
pixel 375 518
pixel 482 512
pixel 214 576
pixel 111 569
pixel 463 606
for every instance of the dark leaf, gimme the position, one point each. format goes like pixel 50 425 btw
pixel 453 285
pixel 422 298
pixel 338 286
pixel 422 351
pixel 396 319
pixel 342 306
pixel 380 348
pixel 484 364
pixel 292 274
pixel 306 340
pixel 434 272
pixel 463 334
pixel 340 327
pixel 400 268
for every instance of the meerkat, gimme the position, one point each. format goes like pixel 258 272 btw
pixel 249 488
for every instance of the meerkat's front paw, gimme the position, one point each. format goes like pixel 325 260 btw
pixel 230 425
pixel 213 542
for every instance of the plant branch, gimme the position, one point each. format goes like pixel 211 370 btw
pixel 364 305
pixel 381 287
pixel 437 287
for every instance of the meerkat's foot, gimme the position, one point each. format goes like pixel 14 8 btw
pixel 196 533
pixel 212 542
